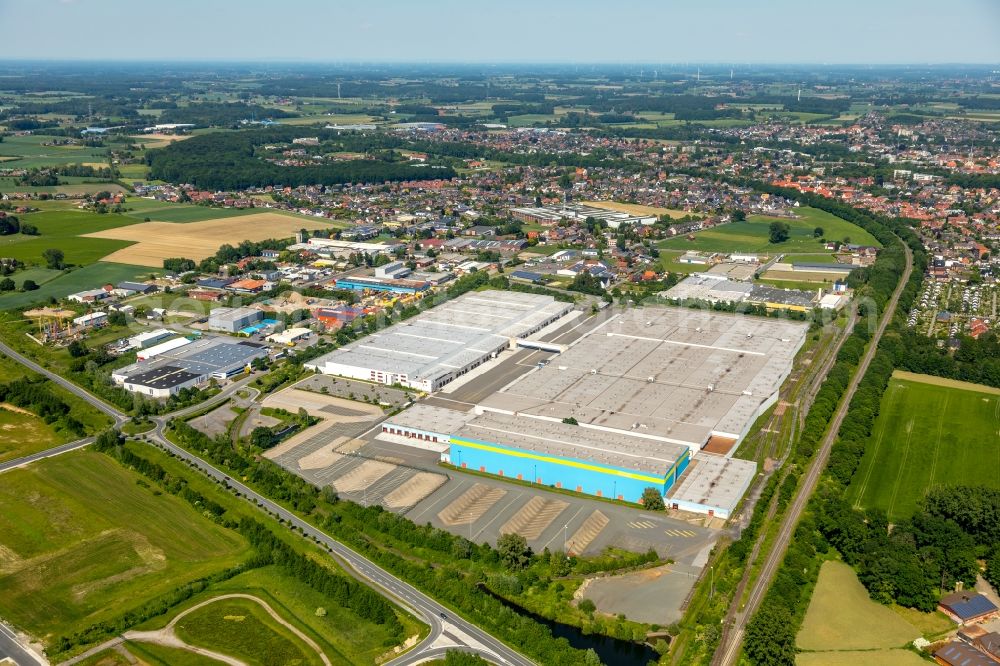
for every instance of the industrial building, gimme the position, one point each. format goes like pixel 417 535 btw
pixel 713 288
pixel 188 365
pixel 549 452
pixel 359 283
pixel 149 338
pixel 231 320
pixel 713 485
pixel 671 374
pixel 433 348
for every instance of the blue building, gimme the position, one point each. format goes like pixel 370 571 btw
pixel 378 284
pixel 582 459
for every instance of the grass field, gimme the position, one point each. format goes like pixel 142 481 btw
pixel 32 153
pixel 63 229
pixel 841 616
pixel 156 241
pixel 82 539
pixel 927 434
pixel 23 433
pixel 243 629
pixel 88 277
pixel 164 211
pixel 752 235
pixel 637 209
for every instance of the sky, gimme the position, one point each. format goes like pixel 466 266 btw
pixel 541 31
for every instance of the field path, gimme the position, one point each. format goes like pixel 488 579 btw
pixel 167 637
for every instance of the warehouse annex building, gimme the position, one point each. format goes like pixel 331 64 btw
pixel 433 348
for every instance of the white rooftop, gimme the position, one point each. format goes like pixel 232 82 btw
pixel 715 481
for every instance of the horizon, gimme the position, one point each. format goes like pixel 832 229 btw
pixel 558 32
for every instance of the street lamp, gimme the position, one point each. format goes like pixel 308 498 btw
pixel 534 477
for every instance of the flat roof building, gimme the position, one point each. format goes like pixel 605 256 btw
pixel 713 484
pixel 188 365
pixel 232 320
pixel 674 374
pixel 584 459
pixel 433 348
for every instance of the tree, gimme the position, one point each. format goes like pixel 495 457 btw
pixel 569 420
pixel 7 285
pixel 818 232
pixel 770 638
pixel 29 285
pixel 262 437
pixel 587 606
pixel 514 551
pixel 77 349
pixel 652 499
pixel 739 215
pixel 778 232
pixel 54 258
pixel 458 658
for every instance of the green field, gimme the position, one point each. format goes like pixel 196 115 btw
pixel 62 229
pixel 21 434
pixel 82 540
pixel 88 277
pixel 164 211
pixel 243 629
pixel 752 235
pixel 32 154
pixel 841 616
pixel 927 434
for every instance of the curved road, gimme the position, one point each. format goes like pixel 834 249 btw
pixel 729 647
pixel 447 629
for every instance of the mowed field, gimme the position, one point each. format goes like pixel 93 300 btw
pixel 841 616
pixel 752 235
pixel 156 241
pixel 22 433
pixel 64 230
pixel 636 209
pixel 928 432
pixel 82 540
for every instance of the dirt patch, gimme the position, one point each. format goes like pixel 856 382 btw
pixel 323 406
pixel 156 241
pixel 362 476
pixel 414 490
pixel 17 410
pixel 534 517
pixel 636 209
pixel 471 505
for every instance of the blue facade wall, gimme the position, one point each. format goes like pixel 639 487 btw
pixel 571 474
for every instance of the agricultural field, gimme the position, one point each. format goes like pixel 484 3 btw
pixel 929 431
pixel 156 241
pixel 65 230
pixel 164 211
pixel 83 539
pixel 841 616
pixel 637 209
pixel 30 153
pixel 752 235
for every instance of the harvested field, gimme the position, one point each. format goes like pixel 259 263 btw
pixel 414 490
pixel 587 533
pixel 636 209
pixel 534 517
pixel 362 476
pixel 860 658
pixel 940 381
pixel 803 276
pixel 323 406
pixel 156 241
pixel 320 458
pixel 471 505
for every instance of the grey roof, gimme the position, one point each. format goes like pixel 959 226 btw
pixel 715 481
pixel 959 654
pixel 649 456
pixel 449 336
pixel 675 373
pixel 165 376
pixel 214 355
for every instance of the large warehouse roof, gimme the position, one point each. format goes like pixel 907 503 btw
pixel 715 481
pixel 569 441
pixel 448 337
pixel 672 373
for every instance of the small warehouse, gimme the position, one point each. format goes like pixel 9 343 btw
pixel 231 320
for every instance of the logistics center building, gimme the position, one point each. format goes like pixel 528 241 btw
pixel 433 348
